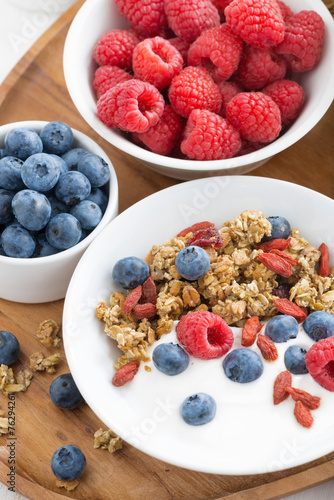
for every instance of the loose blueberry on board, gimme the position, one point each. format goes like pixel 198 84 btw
pixel 32 209
pixel 99 197
pixel 192 263
pixel 61 163
pixel 64 392
pixel 40 172
pixel 68 463
pixel 88 214
pixel 130 272
pixel 281 328
pixel 198 409
pixel 9 348
pixel 72 187
pixel 10 173
pixel 243 365
pixel 17 242
pixel 57 138
pixel 73 157
pixel 22 143
pixel 294 360
pixel 280 228
pixel 63 231
pixel 95 169
pixel 170 358
pixel 6 212
pixel 319 325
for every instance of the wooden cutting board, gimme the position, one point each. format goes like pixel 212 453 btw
pixel 35 90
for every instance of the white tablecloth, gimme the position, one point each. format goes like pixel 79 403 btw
pixel 21 23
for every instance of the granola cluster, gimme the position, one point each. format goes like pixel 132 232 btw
pixel 236 287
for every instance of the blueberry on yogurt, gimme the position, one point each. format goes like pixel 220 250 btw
pixel 294 360
pixel 242 365
pixel 170 358
pixel 198 409
pixel 281 328
pixel 319 325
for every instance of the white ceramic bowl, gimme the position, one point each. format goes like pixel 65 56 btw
pixel 145 412
pixel 44 279
pixel 98 16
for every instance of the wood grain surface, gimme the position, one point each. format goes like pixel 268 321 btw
pixel 35 90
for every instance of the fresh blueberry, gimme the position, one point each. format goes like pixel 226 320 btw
pixel 68 463
pixel 57 138
pixel 280 228
pixel 23 142
pixel 64 392
pixel 130 272
pixel 281 328
pixel 10 173
pixel 40 172
pixel 57 206
pixel 95 169
pixel 62 165
pixel 170 358
pixel 43 247
pixel 319 325
pixel 17 242
pixel 192 263
pixel 32 209
pixel 6 212
pixel 9 348
pixel 294 360
pixel 88 214
pixel 72 187
pixel 243 365
pixel 99 197
pixel 3 153
pixel 73 157
pixel 198 409
pixel 63 231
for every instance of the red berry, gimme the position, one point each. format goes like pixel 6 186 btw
pixel 208 136
pixel 303 40
pixel 193 88
pixel 107 77
pixel 182 46
pixel 147 15
pixel 125 373
pixel 218 50
pixel 320 362
pixel 303 415
pixel 133 106
pixel 248 147
pixel 188 18
pixel 289 97
pixel 255 115
pixel 259 23
pixel 204 334
pixel 115 47
pixel 221 5
pixel 156 61
pixel 228 90
pixel 285 10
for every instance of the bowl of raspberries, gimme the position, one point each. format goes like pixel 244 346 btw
pixel 195 88
pixel 58 190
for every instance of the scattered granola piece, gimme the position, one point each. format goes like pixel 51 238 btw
pixel 107 440
pixel 7 381
pixel 47 332
pixel 24 377
pixel 3 423
pixel 38 362
pixel 68 485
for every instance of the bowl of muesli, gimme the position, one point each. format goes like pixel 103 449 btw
pixel 114 324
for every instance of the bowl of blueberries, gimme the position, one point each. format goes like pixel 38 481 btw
pixel 58 190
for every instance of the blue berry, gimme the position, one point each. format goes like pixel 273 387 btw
pixel 130 272
pixel 280 228
pixel 319 325
pixel 63 231
pixel 10 173
pixel 40 172
pixel 72 187
pixel 6 212
pixel 61 164
pixel 32 209
pixel 3 153
pixel 68 463
pixel 243 365
pixel 22 143
pixel 170 358
pixel 281 328
pixel 57 206
pixel 57 138
pixel 294 360
pixel 192 263
pixel 9 348
pixel 73 157
pixel 95 169
pixel 43 247
pixel 17 242
pixel 99 197
pixel 64 392
pixel 198 409
pixel 88 214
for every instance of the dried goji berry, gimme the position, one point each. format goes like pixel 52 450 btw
pixel 278 244
pixel 283 380
pixel 125 373
pixel 250 330
pixel 276 264
pixel 267 347
pixel 132 299
pixel 282 291
pixel 303 415
pixel 149 291
pixel 196 227
pixel 285 306
pixel 205 238
pixel 324 260
pixel 285 256
pixel 141 311
pixel 312 402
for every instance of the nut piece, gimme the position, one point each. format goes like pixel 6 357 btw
pixel 3 423
pixel 107 440
pixel 47 332
pixel 190 296
pixel 38 362
pixel 24 377
pixel 68 485
pixel 7 381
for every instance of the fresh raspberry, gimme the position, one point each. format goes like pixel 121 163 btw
pixel 227 90
pixel 115 47
pixel 248 147
pixel 107 77
pixel 208 136
pixel 257 22
pixel 147 15
pixel 259 67
pixel 285 10
pixel 221 5
pixel 188 18
pixel 182 46
pixel 218 50
pixel 205 335
pixel 156 61
pixel 255 115
pixel 161 137
pixel 303 40
pixel 289 97
pixel 320 362
pixel 133 106
pixel 193 88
